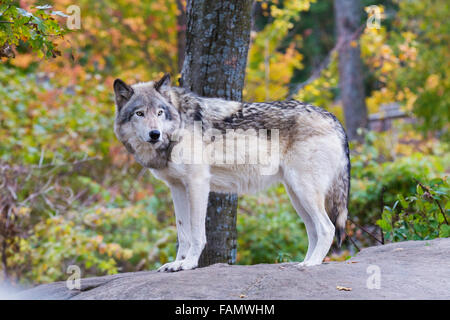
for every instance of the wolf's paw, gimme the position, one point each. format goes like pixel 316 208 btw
pixel 189 264
pixel 178 266
pixel 308 264
pixel 170 266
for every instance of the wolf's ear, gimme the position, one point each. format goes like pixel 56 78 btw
pixel 163 82
pixel 123 93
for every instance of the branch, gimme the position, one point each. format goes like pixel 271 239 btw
pixel 383 189
pixel 353 242
pixel 365 231
pixel 77 162
pixel 316 74
pixel 7 8
pixel 325 63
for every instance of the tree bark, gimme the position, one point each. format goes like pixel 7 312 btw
pixel 351 82
pixel 181 32
pixel 217 41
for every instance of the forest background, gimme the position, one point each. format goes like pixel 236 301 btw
pixel 70 194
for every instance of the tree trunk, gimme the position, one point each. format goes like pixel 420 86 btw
pixel 351 82
pixel 181 32
pixel 217 40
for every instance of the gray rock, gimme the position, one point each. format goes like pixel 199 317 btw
pixel 408 270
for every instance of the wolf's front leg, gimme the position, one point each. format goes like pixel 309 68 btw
pixel 198 191
pixel 183 223
pixel 195 203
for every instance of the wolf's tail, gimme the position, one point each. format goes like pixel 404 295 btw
pixel 337 198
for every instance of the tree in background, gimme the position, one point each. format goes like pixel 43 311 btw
pixel 217 41
pixel 271 63
pixel 351 81
pixel 181 32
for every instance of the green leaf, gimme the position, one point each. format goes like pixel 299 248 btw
pixel 444 231
pixel 402 200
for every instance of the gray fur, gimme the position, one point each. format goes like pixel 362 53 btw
pixel 313 146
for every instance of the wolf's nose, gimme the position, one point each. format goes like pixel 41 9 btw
pixel 154 135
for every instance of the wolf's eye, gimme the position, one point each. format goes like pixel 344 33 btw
pixel 139 113
pixel 160 112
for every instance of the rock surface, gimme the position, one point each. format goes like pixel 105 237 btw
pixel 408 270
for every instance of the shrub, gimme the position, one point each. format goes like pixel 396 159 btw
pixel 424 215
pixel 91 241
pixel 269 229
pixel 45 226
pixel 61 166
pixel 377 180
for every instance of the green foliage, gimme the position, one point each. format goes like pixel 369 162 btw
pixel 91 240
pixel 39 116
pixel 429 76
pixel 73 195
pixel 270 69
pixel 38 29
pixel 322 90
pixel 423 215
pixel 269 229
pixel 376 181
pixel 52 222
pixel 136 40
pixel 411 62
pixel 65 174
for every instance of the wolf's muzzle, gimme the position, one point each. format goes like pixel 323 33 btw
pixel 154 136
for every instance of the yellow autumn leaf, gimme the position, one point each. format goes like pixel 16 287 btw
pixel 387 67
pixel 432 81
pixel 400 95
pixel 102 248
pixel 340 288
pixel 385 50
pixel 127 254
pixel 22 60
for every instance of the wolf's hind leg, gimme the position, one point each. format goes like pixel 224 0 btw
pixel 312 201
pixel 310 227
pixel 314 204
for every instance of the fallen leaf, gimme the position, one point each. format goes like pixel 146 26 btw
pixel 343 288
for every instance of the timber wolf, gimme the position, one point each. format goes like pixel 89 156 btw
pixel 313 158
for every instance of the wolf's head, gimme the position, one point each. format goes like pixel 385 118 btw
pixel 145 119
